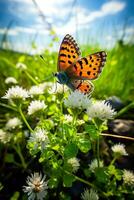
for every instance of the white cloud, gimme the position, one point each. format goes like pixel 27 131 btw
pixel 84 19
pixel 109 8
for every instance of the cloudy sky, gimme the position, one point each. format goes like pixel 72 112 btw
pixel 90 21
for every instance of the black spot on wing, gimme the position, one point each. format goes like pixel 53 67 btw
pixel 80 73
pixel 69 62
pixel 86 61
pixel 63 55
pixel 75 67
pixel 62 61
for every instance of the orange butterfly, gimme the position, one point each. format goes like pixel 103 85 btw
pixel 75 71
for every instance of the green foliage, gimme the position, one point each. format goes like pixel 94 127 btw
pixel 67 139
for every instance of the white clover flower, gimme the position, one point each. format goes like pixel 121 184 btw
pixel 46 85
pixel 9 80
pixel 92 195
pixel 39 139
pixel 36 90
pixel 119 149
pixel 36 186
pixel 128 177
pixel 21 66
pixel 94 164
pixel 4 136
pixel 36 106
pixel 101 110
pixel 74 162
pixel 58 88
pixel 16 92
pixel 77 100
pixel 68 118
pixel 13 123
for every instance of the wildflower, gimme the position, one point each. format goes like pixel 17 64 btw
pixel 77 100
pixel 94 164
pixel 16 92
pixel 128 177
pixel 21 66
pixel 68 118
pixel 13 123
pixel 46 85
pixel 92 195
pixel 9 80
pixel 36 186
pixel 4 136
pixel 101 110
pixel 119 149
pixel 36 90
pixel 80 121
pixel 36 106
pixel 57 88
pixel 39 139
pixel 74 162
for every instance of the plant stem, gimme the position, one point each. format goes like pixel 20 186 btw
pixel 98 151
pixel 86 182
pixel 18 150
pixel 117 136
pixel 24 119
pixel 7 106
pixel 30 77
pixel 123 110
pixel 112 162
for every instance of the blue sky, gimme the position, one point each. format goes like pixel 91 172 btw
pixel 90 21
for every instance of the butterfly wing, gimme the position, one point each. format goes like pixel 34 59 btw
pixel 69 53
pixel 85 86
pixel 87 68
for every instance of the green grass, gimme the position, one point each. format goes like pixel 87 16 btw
pixel 116 78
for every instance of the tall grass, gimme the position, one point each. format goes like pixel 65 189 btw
pixel 116 78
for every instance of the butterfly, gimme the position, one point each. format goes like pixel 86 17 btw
pixel 76 71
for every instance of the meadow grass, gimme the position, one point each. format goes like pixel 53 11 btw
pixel 116 78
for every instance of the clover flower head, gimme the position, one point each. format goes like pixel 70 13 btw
pixel 128 177
pixel 89 195
pixel 74 162
pixel 21 66
pixel 57 88
pixel 119 149
pixel 16 92
pixel 36 186
pixel 68 118
pixel 94 164
pixel 35 106
pixel 36 90
pixel 9 80
pixel 77 100
pixel 4 136
pixel 39 139
pixel 46 85
pixel 101 110
pixel 13 123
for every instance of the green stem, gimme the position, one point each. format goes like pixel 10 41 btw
pixel 31 78
pixel 18 150
pixel 24 119
pixel 86 182
pixel 123 110
pixel 7 106
pixel 98 151
pixel 114 159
